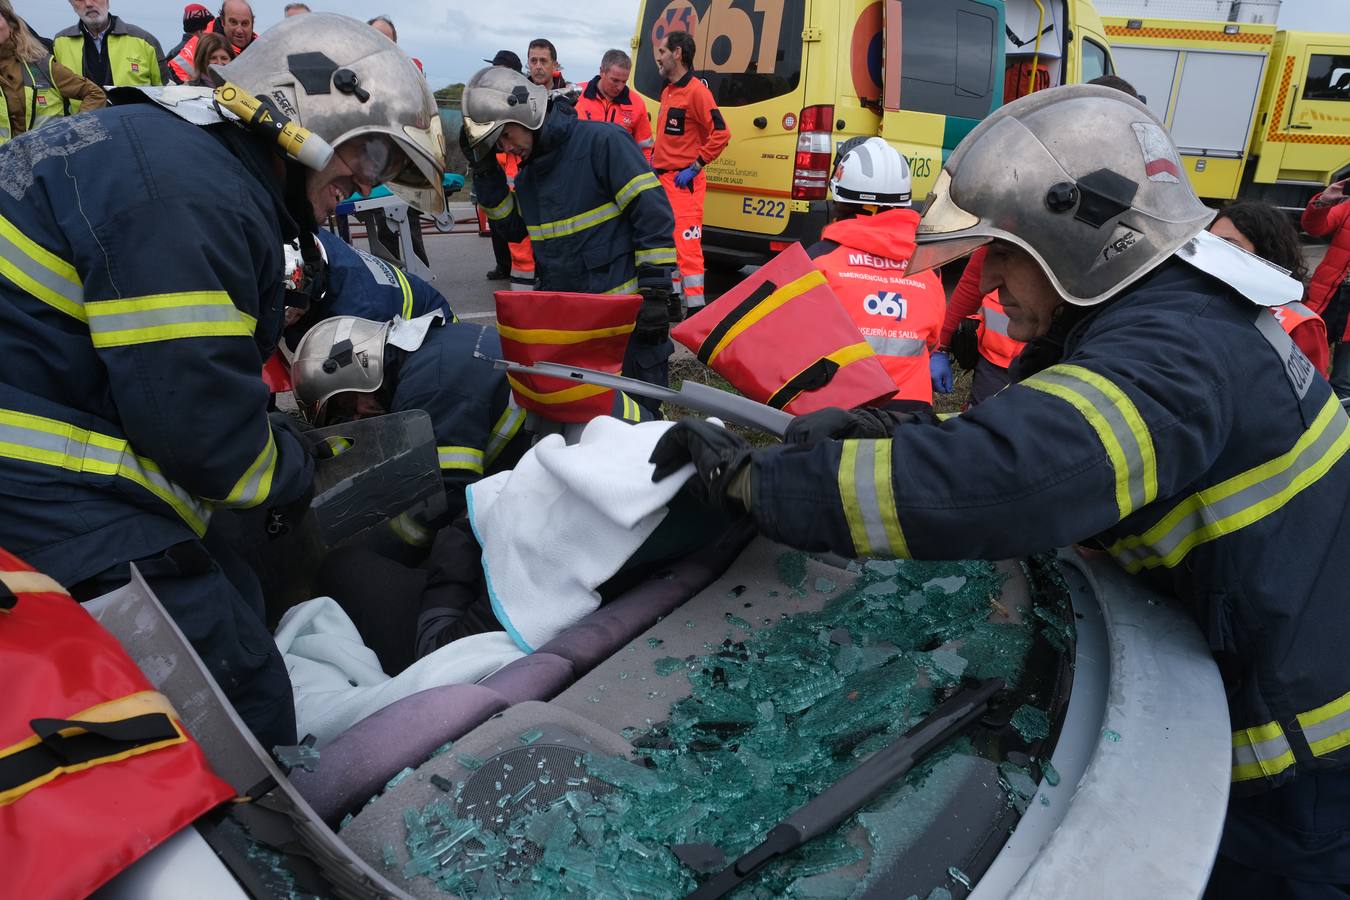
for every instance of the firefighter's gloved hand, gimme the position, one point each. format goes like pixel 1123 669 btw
pixel 833 423
pixel 303 433
pixel 685 178
pixel 940 368
pixel 653 320
pixel 721 461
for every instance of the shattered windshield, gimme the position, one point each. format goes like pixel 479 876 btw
pixel 735 726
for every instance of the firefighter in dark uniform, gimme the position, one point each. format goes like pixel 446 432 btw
pixel 137 310
pixel 595 213
pixel 1162 412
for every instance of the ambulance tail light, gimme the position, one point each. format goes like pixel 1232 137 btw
pixel 815 151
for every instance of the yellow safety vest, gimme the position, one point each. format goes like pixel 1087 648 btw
pixel 132 60
pixel 42 102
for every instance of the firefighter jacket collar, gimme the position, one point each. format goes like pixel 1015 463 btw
pixel 559 121
pixel 1261 282
pixel 889 234
pixel 593 92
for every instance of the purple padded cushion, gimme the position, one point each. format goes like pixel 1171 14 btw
pixel 363 758
pixel 600 635
pixel 539 676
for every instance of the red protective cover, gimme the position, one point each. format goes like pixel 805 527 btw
pixel 589 331
pixel 66 836
pixel 276 375
pixel 779 323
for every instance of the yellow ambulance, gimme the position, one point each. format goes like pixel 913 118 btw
pixel 1257 113
pixel 796 78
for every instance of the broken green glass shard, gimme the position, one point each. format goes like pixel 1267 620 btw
pixel 398 779
pixel 1031 723
pixel 529 737
pixel 1110 735
pixel 1050 773
pixel 738 622
pixel 668 665
pixel 825 585
pixel 469 761
pixel 792 568
pixel 958 876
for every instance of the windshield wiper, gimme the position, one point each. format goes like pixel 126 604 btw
pixel 843 798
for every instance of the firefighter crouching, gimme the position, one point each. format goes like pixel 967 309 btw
pixel 595 214
pixel 1174 422
pixel 132 404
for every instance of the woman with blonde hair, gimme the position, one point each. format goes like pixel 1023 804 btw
pixel 212 50
pixel 37 88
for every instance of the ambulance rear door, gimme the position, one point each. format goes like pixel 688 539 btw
pixel 942 74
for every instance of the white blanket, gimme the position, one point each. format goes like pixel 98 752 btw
pixel 338 681
pixel 564 521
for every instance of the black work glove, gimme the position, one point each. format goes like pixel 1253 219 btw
pixel 718 455
pixel 482 157
pixel 653 319
pixel 833 423
pixel 303 432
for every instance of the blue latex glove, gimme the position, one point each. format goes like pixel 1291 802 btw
pixel 940 368
pixel 685 178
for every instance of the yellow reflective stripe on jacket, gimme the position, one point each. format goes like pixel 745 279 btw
pixel 628 287
pixel 35 269
pixel 410 531
pixel 644 182
pixel 503 432
pixel 255 485
pixel 166 317
pixel 566 395
pixel 1260 752
pixel 47 442
pixel 563 227
pixel 560 336
pixel 501 210
pixel 131 706
pixel 1242 500
pixel 655 256
pixel 1118 425
pixel 1327 728
pixel 632 412
pixel 787 292
pixel 407 292
pixel 868 497
pixel 470 459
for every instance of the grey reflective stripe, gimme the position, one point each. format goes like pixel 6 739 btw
pixel 100 455
pixel 693 281
pixel 1297 368
pixel 627 287
pixel 866 493
pixel 1206 518
pixel 71 292
pixel 460 458
pixel 649 142
pixel 589 219
pixel 889 346
pixel 508 425
pixel 1135 463
pixel 995 320
pixel 1267 751
pixel 501 210
pixel 100 324
pixel 258 479
pixel 1298 307
pixel 185 64
pixel 1325 729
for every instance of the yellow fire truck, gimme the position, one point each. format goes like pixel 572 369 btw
pixel 1258 113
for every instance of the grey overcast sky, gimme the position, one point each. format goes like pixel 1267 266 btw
pixel 452 38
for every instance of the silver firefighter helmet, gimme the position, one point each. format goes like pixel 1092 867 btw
pixel 339 355
pixel 347 83
pixel 1087 180
pixel 496 96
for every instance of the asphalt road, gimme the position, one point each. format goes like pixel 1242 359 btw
pixel 461 260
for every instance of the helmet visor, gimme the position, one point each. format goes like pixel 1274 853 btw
pixel 946 232
pixel 379 158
